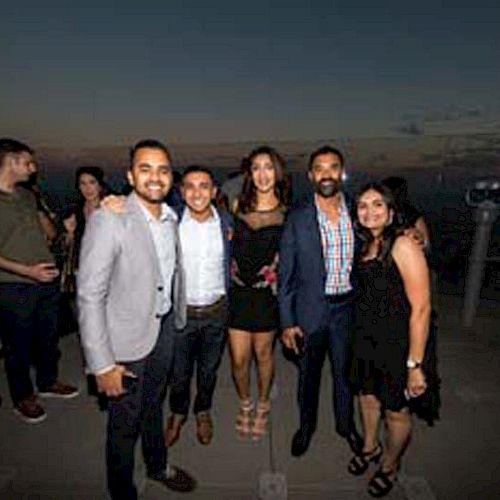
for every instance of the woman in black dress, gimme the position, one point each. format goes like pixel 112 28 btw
pixel 391 345
pixel 253 308
pixel 91 188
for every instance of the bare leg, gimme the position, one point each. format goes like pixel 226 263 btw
pixel 240 343
pixel 370 418
pixel 398 436
pixel 263 347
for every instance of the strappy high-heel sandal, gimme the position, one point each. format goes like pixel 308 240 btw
pixel 244 418
pixel 261 420
pixel 360 462
pixel 382 482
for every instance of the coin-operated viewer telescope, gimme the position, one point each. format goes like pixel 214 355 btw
pixel 484 197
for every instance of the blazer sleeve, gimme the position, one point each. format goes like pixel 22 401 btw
pixel 97 255
pixel 287 274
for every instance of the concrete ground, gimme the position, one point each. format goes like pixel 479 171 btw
pixel 458 458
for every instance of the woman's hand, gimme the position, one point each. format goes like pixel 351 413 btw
pixel 416 384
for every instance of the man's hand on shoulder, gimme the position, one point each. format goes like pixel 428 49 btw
pixel 416 236
pixel 111 382
pixel 114 203
pixel 293 339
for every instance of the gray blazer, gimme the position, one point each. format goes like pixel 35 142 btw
pixel 117 286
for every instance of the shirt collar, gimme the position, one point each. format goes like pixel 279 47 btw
pixel 166 214
pixel 343 205
pixel 187 217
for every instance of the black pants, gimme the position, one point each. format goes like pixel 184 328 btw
pixel 333 339
pixel 139 412
pixel 28 328
pixel 202 342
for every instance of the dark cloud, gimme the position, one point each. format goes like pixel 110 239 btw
pixel 410 128
pixel 452 115
pixel 409 117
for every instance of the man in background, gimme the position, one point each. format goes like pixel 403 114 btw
pixel 29 289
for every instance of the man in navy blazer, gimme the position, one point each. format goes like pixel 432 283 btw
pixel 316 295
pixel 205 234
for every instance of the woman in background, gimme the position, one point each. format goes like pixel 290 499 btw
pixel 91 188
pixel 393 368
pixel 259 214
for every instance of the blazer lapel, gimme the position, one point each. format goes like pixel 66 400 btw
pixel 313 235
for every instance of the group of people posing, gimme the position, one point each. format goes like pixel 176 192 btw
pixel 161 288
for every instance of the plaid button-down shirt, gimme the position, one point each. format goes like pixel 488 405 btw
pixel 338 250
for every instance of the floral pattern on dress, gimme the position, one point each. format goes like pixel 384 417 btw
pixel 268 275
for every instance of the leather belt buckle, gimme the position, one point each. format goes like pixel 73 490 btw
pixel 206 311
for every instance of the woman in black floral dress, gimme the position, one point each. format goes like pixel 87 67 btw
pixel 253 308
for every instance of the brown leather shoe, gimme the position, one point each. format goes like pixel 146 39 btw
pixel 59 390
pixel 173 430
pixel 30 410
pixel 204 427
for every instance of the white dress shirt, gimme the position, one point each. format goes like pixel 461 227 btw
pixel 163 233
pixel 203 258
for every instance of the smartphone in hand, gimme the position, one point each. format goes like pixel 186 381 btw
pixel 300 343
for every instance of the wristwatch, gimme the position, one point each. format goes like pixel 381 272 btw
pixel 411 364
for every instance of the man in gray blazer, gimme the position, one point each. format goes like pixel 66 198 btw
pixel 130 298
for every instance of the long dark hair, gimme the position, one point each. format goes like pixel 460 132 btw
pixel 97 173
pixel 247 201
pixel 77 207
pixel 390 232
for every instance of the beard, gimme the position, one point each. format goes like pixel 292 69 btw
pixel 327 188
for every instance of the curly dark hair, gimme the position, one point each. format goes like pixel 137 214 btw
pixel 390 232
pixel 247 200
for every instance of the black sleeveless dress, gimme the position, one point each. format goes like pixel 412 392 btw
pixel 253 304
pixel 380 342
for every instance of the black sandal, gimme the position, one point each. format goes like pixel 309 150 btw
pixel 381 484
pixel 360 462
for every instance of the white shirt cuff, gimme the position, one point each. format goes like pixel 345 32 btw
pixel 102 371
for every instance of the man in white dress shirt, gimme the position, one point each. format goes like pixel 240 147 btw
pixel 205 241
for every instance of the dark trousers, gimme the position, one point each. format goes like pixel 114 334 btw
pixel 332 338
pixel 28 328
pixel 139 412
pixel 202 343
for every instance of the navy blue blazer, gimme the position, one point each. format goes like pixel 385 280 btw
pixel 226 224
pixel 302 273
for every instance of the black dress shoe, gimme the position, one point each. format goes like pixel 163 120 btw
pixel 300 442
pixel 355 441
pixel 176 479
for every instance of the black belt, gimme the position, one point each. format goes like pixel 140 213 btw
pixel 206 310
pixel 340 298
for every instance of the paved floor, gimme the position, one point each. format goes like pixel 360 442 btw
pixel 459 458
